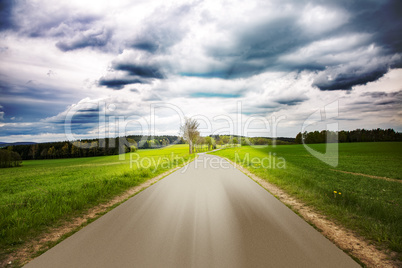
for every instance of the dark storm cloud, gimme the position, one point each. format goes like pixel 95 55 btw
pixel 33 20
pixel 267 106
pixel 119 83
pixel 163 29
pixel 265 40
pixel 215 95
pixel 29 110
pixel 31 101
pixel 379 94
pixel 74 30
pixel 255 45
pixel 30 90
pixel 84 117
pixel 383 21
pixel 138 72
pixel 291 101
pixel 346 80
pixel 236 69
pixel 148 46
pixel 157 39
pixel 383 98
pixel 96 39
pixel 346 119
pixel 6 16
pixel 60 25
pixel 257 48
pixel 144 71
pixel 378 102
pixel 277 103
pixel 381 18
pixel 9 130
pixel 39 128
pixel 387 102
pixel 79 118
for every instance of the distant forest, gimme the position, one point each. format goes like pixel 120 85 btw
pixel 93 147
pixel 358 135
pixel 114 146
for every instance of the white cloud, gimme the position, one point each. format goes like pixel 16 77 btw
pixel 316 19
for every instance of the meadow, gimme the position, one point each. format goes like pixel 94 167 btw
pixel 365 202
pixel 45 193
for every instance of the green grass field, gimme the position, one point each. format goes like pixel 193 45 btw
pixel 371 206
pixel 41 193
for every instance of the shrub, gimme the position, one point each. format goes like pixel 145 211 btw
pixel 9 159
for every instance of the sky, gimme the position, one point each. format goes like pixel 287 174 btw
pixel 88 69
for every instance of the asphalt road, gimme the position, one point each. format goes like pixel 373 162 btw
pixel 207 214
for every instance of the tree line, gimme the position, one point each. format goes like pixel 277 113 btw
pixel 91 147
pixel 13 155
pixel 245 141
pixel 211 142
pixel 358 135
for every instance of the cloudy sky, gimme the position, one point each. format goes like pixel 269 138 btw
pixel 81 69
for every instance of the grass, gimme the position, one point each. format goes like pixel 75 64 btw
pixel 42 193
pixel 370 206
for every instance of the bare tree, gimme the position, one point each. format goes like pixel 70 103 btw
pixel 190 132
pixel 200 141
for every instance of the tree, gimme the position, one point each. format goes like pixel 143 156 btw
pixel 75 150
pixel 298 139
pixel 51 152
pixel 9 158
pixel 65 150
pixel 235 141
pixel 43 154
pixel 200 141
pixel 225 139
pixel 33 150
pixel 132 144
pixel 190 132
pixel 209 142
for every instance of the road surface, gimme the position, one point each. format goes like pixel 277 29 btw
pixel 207 214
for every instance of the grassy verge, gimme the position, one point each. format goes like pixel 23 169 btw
pixel 371 206
pixel 41 193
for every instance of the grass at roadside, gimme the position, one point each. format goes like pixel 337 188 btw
pixel 371 206
pixel 41 193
